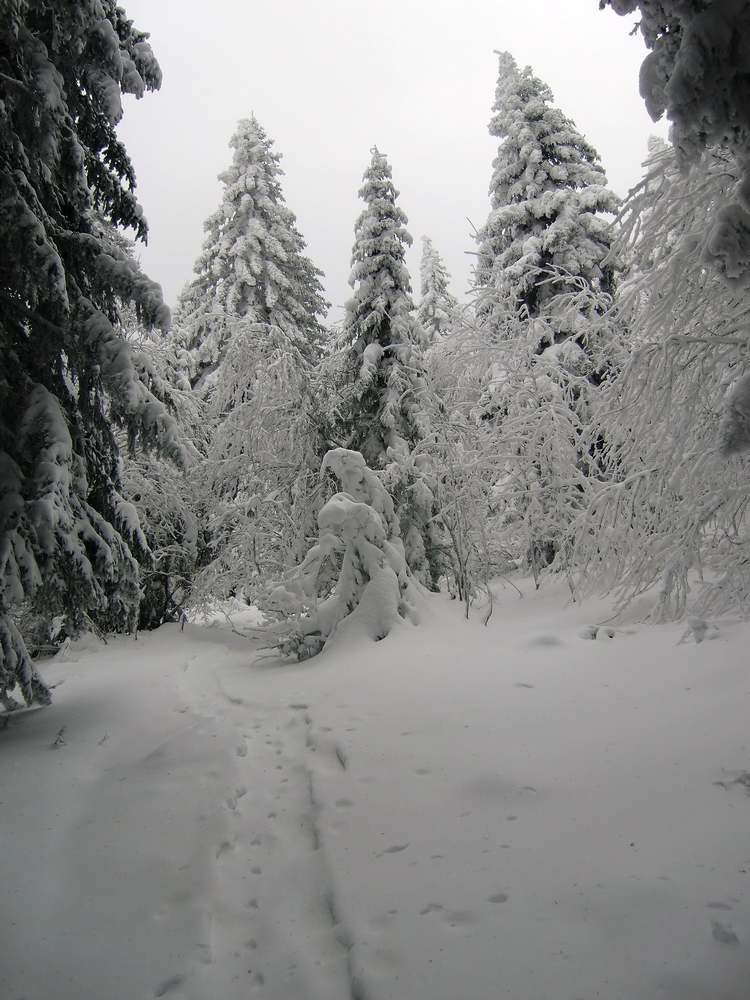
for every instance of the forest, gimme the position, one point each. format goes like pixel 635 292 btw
pixel 580 414
pixel 575 425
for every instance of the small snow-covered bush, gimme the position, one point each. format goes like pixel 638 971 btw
pixel 373 590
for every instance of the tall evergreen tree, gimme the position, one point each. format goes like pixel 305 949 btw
pixel 548 193
pixel 545 279
pixel 249 329
pixel 252 269
pixel 438 306
pixel 67 376
pixel 382 413
pixel 380 331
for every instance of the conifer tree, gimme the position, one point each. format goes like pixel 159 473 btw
pixel 382 413
pixel 545 233
pixel 380 331
pixel 252 269
pixel 67 536
pixel 437 307
pixel 249 330
pixel 544 281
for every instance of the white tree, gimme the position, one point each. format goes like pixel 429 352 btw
pixel 67 535
pixel 547 229
pixel 252 268
pixel 437 307
pixel 169 500
pixel 671 509
pixel 249 331
pixel 373 590
pixel 545 277
pixel 379 371
pixel 696 72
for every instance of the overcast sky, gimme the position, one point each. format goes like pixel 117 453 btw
pixel 328 79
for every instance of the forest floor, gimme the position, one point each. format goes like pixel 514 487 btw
pixel 458 812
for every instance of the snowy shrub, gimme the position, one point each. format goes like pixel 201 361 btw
pixel 373 591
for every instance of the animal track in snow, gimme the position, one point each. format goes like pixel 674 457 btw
pixel 498 897
pixel 241 750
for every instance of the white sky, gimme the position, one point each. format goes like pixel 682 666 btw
pixel 328 79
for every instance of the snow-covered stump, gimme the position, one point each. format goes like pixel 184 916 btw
pixel 374 591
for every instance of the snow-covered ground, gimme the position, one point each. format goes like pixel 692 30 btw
pixel 454 813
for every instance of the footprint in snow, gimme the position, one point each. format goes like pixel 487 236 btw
pixel 241 751
pixel 169 986
pixel 723 933
pixel 499 897
pixel 430 908
pixel 393 849
pixel 459 918
pixel 545 640
pixel 522 684
pixel 718 906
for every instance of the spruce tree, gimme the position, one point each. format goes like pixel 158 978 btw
pixel 252 269
pixel 545 282
pixel 249 331
pixel 546 233
pixel 382 412
pixel 66 534
pixel 380 332
pixel 437 308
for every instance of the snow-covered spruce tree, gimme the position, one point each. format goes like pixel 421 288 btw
pixel 359 538
pixel 547 230
pixel 67 376
pixel 249 330
pixel 545 278
pixel 697 72
pixel 437 307
pixel 379 373
pixel 252 268
pixel 672 508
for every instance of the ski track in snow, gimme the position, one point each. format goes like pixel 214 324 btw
pixel 538 821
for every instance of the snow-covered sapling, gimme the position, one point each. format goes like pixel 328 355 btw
pixel 374 591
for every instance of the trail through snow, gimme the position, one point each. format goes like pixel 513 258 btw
pixel 455 813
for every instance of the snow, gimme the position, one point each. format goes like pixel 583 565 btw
pixel 453 812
